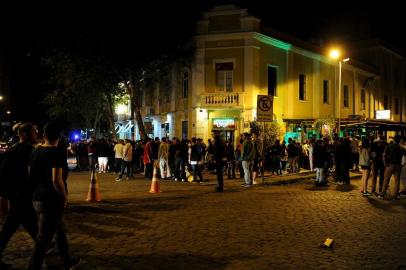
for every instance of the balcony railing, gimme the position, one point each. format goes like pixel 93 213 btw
pixel 221 100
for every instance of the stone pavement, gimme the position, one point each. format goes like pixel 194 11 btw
pixel 189 226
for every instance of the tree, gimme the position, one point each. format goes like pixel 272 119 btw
pixel 270 134
pixel 80 90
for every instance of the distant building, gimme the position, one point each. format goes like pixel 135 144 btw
pixel 237 58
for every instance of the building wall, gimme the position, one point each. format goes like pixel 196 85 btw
pixel 251 53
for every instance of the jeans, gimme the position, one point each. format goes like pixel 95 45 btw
pixel 378 169
pixel 50 224
pixel 320 175
pixel 231 169
pixel 129 166
pixel 247 166
pixel 21 212
pixel 162 164
pixel 392 169
pixel 219 173
pixel 197 172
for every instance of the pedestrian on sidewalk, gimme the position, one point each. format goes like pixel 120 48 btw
pixel 365 163
pixel 230 159
pixel 257 165
pixel 403 172
pixel 194 159
pixel 21 210
pixel 393 159
pixel 163 155
pixel 378 168
pixel 247 157
pixel 220 158
pixel 49 199
pixel 320 155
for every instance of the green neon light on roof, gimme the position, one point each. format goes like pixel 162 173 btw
pixel 273 42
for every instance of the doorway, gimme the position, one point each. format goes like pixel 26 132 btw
pixel 228 134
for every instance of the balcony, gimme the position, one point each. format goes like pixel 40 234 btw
pixel 222 100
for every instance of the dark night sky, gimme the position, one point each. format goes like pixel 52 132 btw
pixel 125 26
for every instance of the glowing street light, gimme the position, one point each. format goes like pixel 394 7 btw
pixel 335 54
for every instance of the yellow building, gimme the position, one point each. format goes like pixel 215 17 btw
pixel 237 58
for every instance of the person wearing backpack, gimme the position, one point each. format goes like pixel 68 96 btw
pixel 16 188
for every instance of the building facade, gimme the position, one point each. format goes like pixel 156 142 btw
pixel 237 58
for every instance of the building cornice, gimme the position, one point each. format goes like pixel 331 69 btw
pixel 288 47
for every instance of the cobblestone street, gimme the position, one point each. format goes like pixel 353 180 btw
pixel 189 226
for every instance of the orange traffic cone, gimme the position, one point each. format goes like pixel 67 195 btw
pixel 155 188
pixel 93 195
pixel 3 205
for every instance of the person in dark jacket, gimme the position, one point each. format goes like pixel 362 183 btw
pixel 21 210
pixel 219 159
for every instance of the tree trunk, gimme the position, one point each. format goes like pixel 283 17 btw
pixel 110 120
pixel 135 110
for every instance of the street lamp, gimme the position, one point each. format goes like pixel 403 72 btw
pixel 335 54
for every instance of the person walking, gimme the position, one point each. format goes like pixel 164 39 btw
pixel 21 211
pixel 49 199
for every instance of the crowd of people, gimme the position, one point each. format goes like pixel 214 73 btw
pixel 38 193
pixel 180 159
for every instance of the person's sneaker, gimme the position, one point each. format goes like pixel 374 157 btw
pixel 73 263
pixel 118 179
pixel 366 193
pixel 219 189
pixel 184 180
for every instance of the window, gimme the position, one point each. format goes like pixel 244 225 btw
pixel 185 84
pixel 385 103
pixel 224 76
pixel 326 92
pixel 302 87
pixel 346 97
pixel 362 99
pixel 272 81
pixel 396 106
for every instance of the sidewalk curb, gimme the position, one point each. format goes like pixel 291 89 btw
pixel 301 177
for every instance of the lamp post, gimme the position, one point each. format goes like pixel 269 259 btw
pixel 335 54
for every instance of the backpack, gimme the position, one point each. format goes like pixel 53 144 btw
pixel 8 172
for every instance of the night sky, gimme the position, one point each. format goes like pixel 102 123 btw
pixel 157 26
